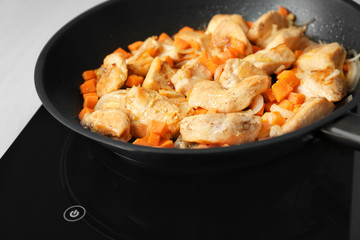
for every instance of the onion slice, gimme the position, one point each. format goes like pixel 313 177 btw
pixel 257 104
pixel 284 112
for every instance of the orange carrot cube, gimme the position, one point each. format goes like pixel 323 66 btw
pixel 89 74
pixel 84 111
pixel 90 102
pixel 281 89
pixel 296 98
pixel 135 45
pixel 88 86
pixel 134 80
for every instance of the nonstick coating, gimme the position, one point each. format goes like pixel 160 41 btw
pixel 83 43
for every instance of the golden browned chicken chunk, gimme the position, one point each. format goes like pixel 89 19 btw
pixel 144 105
pixel 322 83
pixel 221 128
pixel 113 100
pixel 312 110
pixel 325 56
pixel 211 95
pixel 225 31
pixel 110 122
pixel 288 36
pixel 189 74
pixel 235 70
pixel 142 58
pixel 159 75
pixel 113 74
pixel 218 18
pixel 273 60
pixel 265 26
pixel 304 44
pixel 203 40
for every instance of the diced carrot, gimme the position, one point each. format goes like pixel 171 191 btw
pixel 169 61
pixel 194 44
pixel 166 143
pixel 142 141
pixel 212 63
pixel 269 95
pixel 84 111
pixel 286 104
pixel 268 106
pixel 249 24
pixel 200 31
pixel 160 128
pixel 298 53
pixel 163 37
pixel 154 139
pixel 281 89
pixel 345 67
pixel 181 44
pixel 296 98
pixel 200 110
pixel 283 11
pixel 90 94
pixel 88 86
pixel 186 29
pixel 255 48
pixel 135 45
pixel 294 70
pixel 274 118
pixel 289 77
pixel 229 53
pixel 296 107
pixel 124 53
pixel 237 45
pixel 151 51
pixel 216 60
pixel 89 74
pixel 90 101
pixel 212 110
pixel 265 117
pixel 134 80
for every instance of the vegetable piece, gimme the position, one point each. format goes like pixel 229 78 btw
pixel 84 111
pixel 284 112
pixel 181 44
pixel 298 53
pixel 124 53
pixel 152 52
pixel 296 107
pixel 90 101
pixel 89 74
pixel 286 104
pixel 210 63
pixel 200 110
pixel 249 24
pixel 135 45
pixel 281 89
pixel 228 53
pixel 154 139
pixel 268 106
pixel 296 98
pixel 160 128
pixel 166 143
pixel 274 118
pixel 88 86
pixel 194 44
pixel 257 105
pixel 186 29
pixel 90 94
pixel 283 11
pixel 237 46
pixel 142 141
pixel 134 80
pixel 163 37
pixel 269 95
pixel 255 48
pixel 169 61
pixel 345 67
pixel 290 77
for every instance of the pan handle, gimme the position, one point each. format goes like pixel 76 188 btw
pixel 345 130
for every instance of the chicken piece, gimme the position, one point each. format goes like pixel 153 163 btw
pixel 288 36
pixel 235 70
pixel 304 44
pixel 312 110
pixel 326 56
pixel 159 75
pixel 189 74
pixel 204 40
pixel 211 95
pixel 113 100
pixel 113 74
pixel 274 60
pixel 227 30
pixel 216 19
pixel 142 58
pixel 109 122
pixel 144 105
pixel 265 27
pixel 322 83
pixel 221 128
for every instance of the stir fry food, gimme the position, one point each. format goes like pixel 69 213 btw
pixel 234 82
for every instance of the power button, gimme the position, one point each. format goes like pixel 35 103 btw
pixel 74 213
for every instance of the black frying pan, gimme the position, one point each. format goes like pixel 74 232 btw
pixel 84 42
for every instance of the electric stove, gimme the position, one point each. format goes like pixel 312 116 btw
pixel 57 184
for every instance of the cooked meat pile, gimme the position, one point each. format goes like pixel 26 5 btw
pixel 235 82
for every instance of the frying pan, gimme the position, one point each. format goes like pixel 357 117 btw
pixel 84 42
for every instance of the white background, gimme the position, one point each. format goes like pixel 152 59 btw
pixel 25 27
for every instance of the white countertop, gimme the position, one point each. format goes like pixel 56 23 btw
pixel 25 28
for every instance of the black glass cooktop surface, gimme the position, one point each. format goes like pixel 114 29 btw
pixel 304 195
